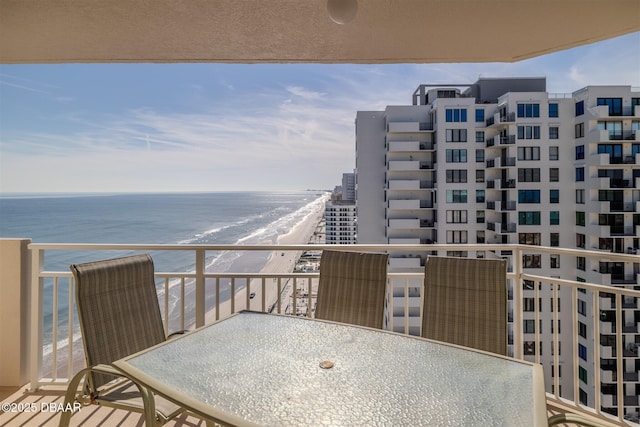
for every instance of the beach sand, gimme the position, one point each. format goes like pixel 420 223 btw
pixel 279 262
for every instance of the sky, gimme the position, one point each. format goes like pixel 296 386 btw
pixel 230 127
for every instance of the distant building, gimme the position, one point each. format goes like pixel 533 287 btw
pixel 340 213
pixel 503 161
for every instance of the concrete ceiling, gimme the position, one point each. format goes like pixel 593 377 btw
pixel 246 31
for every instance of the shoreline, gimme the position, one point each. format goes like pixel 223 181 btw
pixel 278 262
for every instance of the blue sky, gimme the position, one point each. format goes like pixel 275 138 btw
pixel 229 127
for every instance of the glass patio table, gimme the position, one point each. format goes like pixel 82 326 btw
pixel 265 369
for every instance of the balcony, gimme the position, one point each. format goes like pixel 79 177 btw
pixel 53 361
pixel 409 127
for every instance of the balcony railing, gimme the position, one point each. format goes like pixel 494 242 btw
pixel 195 297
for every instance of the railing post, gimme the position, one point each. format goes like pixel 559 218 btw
pixel 35 325
pixel 200 294
pixel 517 304
pixel 14 309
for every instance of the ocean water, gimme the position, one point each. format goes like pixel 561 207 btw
pixel 180 218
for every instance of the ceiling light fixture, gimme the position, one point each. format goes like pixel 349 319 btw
pixel 342 11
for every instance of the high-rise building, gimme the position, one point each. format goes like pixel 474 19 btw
pixel 340 213
pixel 503 161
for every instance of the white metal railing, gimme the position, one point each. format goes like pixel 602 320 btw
pixel 60 363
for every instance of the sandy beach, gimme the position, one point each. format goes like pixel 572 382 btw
pixel 279 262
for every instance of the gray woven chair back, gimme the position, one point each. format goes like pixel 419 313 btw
pixel 117 308
pixel 465 302
pixel 352 288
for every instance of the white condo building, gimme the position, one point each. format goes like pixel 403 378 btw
pixel 340 213
pixel 503 161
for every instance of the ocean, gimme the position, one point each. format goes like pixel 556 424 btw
pixel 177 218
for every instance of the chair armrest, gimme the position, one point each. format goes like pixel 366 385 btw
pixel 573 419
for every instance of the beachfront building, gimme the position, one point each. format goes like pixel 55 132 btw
pixel 503 161
pixel 340 213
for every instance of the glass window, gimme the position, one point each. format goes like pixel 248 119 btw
pixel 479 155
pixel 553 132
pixel 480 196
pixel 528 153
pixel 554 239
pixel 579 108
pixel 528 132
pixel 554 174
pixel 554 218
pixel 480 175
pixel 479 115
pixel 579 152
pixel 456 196
pixel 580 174
pixel 456 135
pixel 456 156
pixel 553 110
pixel 554 196
pixel 456 175
pixel 579 130
pixel 580 197
pixel 457 216
pixel 529 196
pixel 529 218
pixel 614 104
pixel 480 136
pixel 580 218
pixel 553 153
pixel 528 110
pixel 528 174
pixel 456 114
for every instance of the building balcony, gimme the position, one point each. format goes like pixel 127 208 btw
pixel 501 162
pixel 502 206
pixel 46 369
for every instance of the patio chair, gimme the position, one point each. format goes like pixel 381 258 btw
pixel 465 302
pixel 352 288
pixel 119 315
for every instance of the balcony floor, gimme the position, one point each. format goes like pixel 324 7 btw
pixel 94 415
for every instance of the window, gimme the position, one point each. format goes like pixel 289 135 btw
pixel 579 108
pixel 579 152
pixel 480 136
pixel 582 374
pixel 480 175
pixel 528 153
pixel 479 115
pixel 528 174
pixel 554 218
pixel 529 218
pixel 456 114
pixel 529 239
pixel 553 132
pixel 456 175
pixel 528 326
pixel 529 348
pixel 553 153
pixel 456 156
pixel 582 352
pixel 480 218
pixel 457 216
pixel 554 262
pixel 580 240
pixel 456 135
pixel 579 130
pixel 580 218
pixel 614 104
pixel 584 397
pixel 532 261
pixel 528 304
pixel 553 110
pixel 613 150
pixel 582 329
pixel 581 263
pixel 554 196
pixel 582 307
pixel 479 196
pixel 528 132
pixel 554 239
pixel 456 196
pixel 554 174
pixel 580 197
pixel 528 110
pixel 456 236
pixel 479 156
pixel 614 128
pixel 580 174
pixel 529 196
